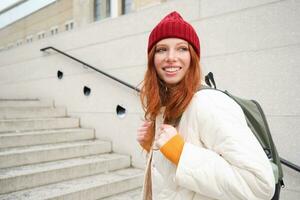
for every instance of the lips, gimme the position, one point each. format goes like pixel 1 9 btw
pixel 172 69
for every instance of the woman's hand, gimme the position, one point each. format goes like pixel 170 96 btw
pixel 144 138
pixel 169 142
pixel 165 133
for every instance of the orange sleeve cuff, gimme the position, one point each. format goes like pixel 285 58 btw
pixel 173 148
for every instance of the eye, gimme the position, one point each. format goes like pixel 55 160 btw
pixel 183 48
pixel 160 49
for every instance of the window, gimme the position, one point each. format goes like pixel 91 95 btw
pixel 29 39
pixel 126 6
pixel 54 30
pixel 69 25
pixel 19 42
pixel 102 9
pixel 41 35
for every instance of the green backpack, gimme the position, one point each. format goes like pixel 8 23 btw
pixel 258 124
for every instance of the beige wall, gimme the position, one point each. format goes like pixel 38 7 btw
pixel 140 4
pixel 83 12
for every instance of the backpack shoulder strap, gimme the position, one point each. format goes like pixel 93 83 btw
pixel 209 80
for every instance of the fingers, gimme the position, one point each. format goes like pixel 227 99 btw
pixel 143 136
pixel 168 129
pixel 164 134
pixel 142 129
pixel 147 123
pixel 165 126
pixel 141 140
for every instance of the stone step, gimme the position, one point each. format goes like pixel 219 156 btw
pixel 18 156
pixel 26 138
pixel 135 194
pixel 7 125
pixel 87 188
pixel 26 103
pixel 24 177
pixel 31 112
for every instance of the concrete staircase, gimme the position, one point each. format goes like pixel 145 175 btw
pixel 46 155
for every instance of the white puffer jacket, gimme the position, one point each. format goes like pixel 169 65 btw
pixel 221 158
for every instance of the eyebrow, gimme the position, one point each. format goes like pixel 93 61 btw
pixel 162 44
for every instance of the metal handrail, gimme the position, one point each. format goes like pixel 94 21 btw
pixel 290 164
pixel 282 160
pixel 91 67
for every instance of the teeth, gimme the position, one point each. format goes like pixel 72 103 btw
pixel 171 69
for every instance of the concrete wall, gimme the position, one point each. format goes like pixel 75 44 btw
pixel 251 46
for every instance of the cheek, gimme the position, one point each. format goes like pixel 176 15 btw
pixel 158 65
pixel 157 62
pixel 188 61
pixel 187 64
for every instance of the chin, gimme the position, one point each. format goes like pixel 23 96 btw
pixel 172 83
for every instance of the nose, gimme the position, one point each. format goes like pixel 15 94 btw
pixel 171 56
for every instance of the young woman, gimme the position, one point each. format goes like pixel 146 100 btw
pixel 199 141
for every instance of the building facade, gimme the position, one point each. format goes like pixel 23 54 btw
pixel 65 15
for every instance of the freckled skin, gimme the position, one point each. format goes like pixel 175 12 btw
pixel 172 59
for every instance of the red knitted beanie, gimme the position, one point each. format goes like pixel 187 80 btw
pixel 171 26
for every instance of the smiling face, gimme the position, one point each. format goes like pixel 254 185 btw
pixel 172 59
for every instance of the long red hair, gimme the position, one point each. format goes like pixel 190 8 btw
pixel 155 94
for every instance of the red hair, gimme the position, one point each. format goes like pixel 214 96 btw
pixel 155 94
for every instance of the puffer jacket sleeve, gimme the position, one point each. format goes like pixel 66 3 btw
pixel 231 163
